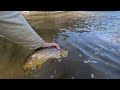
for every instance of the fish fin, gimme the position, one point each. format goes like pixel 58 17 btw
pixel 39 66
pixel 52 61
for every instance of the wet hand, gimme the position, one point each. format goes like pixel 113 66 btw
pixel 51 45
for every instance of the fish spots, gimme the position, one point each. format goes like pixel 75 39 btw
pixel 35 56
pixel 36 60
pixel 26 73
pixel 30 63
pixel 34 67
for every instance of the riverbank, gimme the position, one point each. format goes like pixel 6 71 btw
pixel 26 13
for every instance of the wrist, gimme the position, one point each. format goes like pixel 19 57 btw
pixel 45 44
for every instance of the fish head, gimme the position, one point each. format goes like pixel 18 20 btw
pixel 27 67
pixel 64 53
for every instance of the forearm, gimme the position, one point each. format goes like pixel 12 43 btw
pixel 14 27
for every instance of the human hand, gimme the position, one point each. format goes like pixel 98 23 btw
pixel 45 44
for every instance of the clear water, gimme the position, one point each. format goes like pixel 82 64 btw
pixel 91 37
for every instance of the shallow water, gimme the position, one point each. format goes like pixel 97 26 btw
pixel 92 39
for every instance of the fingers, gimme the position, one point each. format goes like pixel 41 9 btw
pixel 51 45
pixel 56 45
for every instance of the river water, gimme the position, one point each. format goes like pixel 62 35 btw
pixel 92 39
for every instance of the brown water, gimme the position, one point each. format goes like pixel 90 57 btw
pixel 92 39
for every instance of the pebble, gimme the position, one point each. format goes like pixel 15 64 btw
pixel 106 63
pixel 97 49
pixel 75 25
pixel 51 76
pixel 73 78
pixel 90 61
pixel 55 71
pixel 80 55
pixel 59 60
pixel 92 75
pixel 96 53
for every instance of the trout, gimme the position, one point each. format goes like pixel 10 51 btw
pixel 36 60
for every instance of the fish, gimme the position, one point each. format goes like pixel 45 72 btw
pixel 36 60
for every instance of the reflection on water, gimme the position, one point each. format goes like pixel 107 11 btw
pixel 92 39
